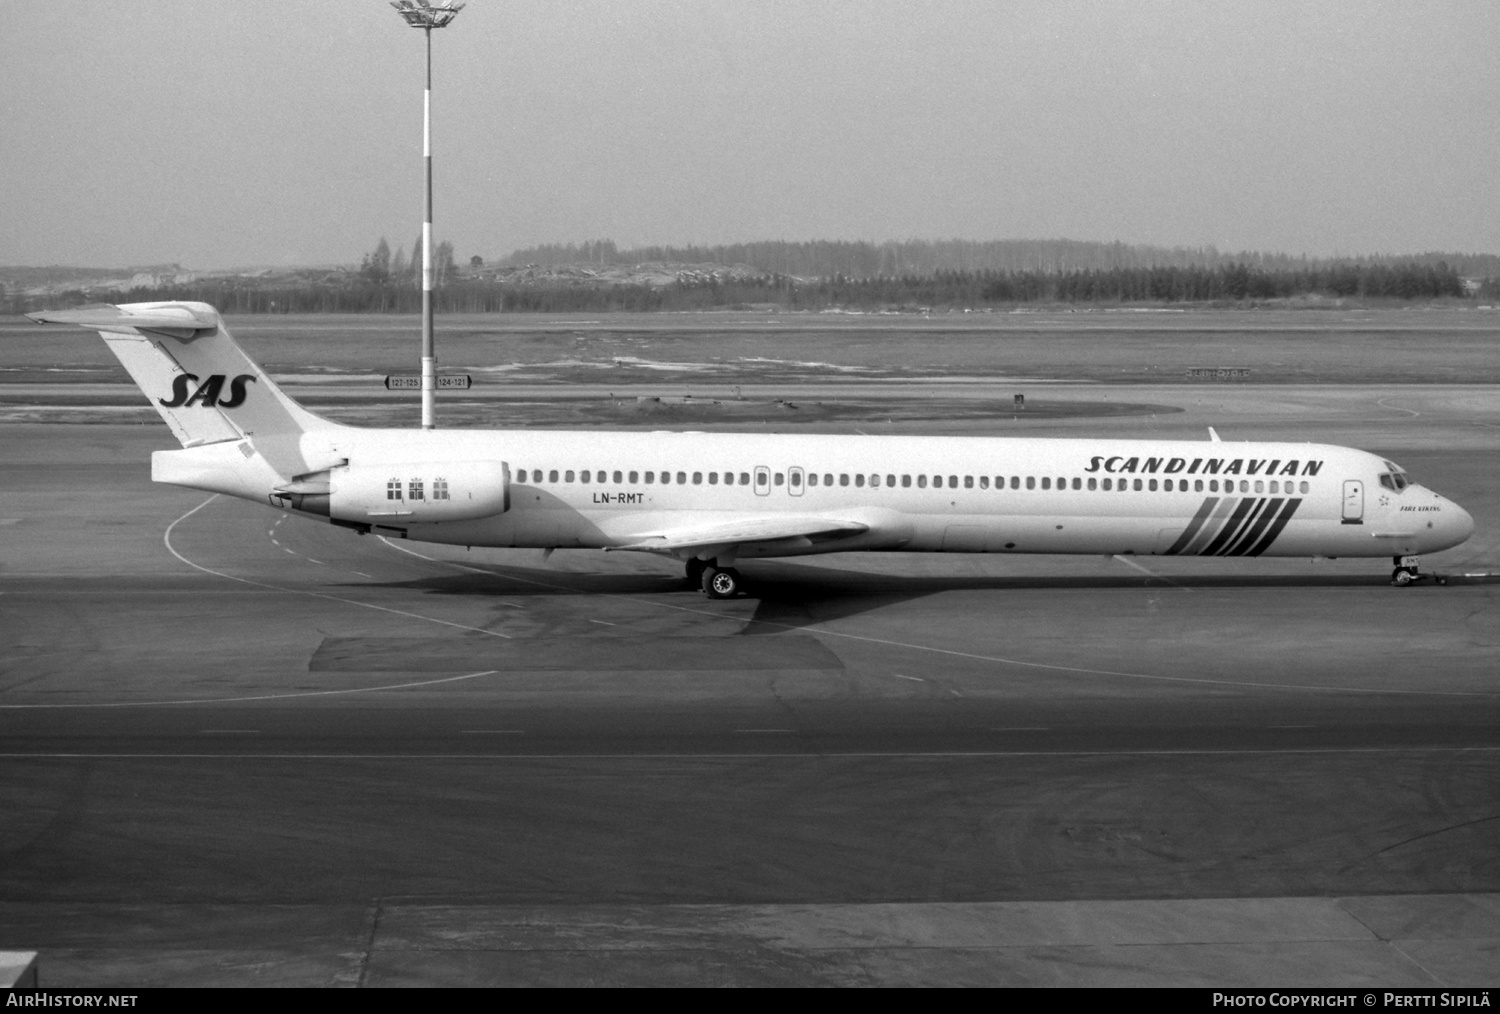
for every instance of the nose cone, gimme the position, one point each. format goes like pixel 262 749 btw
pixel 1451 524
pixel 1460 524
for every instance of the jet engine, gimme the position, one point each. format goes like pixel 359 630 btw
pixel 394 493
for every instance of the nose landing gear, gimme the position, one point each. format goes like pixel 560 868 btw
pixel 1407 571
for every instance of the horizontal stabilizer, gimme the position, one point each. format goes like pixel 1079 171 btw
pixel 761 529
pixel 182 322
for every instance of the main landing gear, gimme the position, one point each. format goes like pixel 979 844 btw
pixel 717 582
pixel 1406 571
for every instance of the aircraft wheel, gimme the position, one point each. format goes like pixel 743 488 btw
pixel 1402 577
pixel 695 569
pixel 721 584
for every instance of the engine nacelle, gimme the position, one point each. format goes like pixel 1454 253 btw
pixel 397 493
pixel 419 491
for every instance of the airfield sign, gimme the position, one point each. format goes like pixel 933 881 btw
pixel 445 382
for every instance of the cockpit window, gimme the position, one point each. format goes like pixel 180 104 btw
pixel 1395 479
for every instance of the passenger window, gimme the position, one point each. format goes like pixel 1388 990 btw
pixel 569 475
pixel 552 475
pixel 1167 485
pixel 1244 485
pixel 952 482
pixel 828 478
pixel 1197 485
pixel 1031 482
pixel 1015 482
pixel 921 482
pixel 618 478
pixel 1137 485
pixel 778 478
pixel 650 478
pixel 1260 486
pixel 682 478
pixel 697 478
pixel 1275 487
pixel 795 479
pixel 890 480
pixel 634 478
pixel 812 478
pixel 1046 482
pixel 859 480
pixel 713 478
pixel 905 482
pixel 968 482
pixel 984 482
pixel 1109 484
pixel 843 479
pixel 1305 487
pixel 1077 484
pixel 583 476
pixel 666 478
pixel 1152 485
pixel 1093 483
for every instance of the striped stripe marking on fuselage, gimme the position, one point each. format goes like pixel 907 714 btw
pixel 1235 526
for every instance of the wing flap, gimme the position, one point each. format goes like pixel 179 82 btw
pixel 745 530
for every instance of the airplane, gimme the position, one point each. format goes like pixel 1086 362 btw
pixel 711 500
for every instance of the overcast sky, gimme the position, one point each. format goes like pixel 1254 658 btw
pixel 220 133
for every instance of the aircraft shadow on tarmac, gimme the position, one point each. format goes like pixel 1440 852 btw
pixel 789 595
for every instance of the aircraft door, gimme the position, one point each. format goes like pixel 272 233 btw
pixel 794 481
pixel 1354 502
pixel 762 480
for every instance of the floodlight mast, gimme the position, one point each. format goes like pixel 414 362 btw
pixel 427 16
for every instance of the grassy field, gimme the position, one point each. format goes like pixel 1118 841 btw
pixel 624 350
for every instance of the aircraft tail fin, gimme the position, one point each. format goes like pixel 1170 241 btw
pixel 197 377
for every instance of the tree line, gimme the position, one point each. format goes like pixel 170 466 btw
pixel 826 258
pixel 362 292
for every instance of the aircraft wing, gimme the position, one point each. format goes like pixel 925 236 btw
pixel 775 528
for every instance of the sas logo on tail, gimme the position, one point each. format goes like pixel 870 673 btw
pixel 207 393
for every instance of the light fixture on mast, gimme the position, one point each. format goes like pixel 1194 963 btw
pixel 427 16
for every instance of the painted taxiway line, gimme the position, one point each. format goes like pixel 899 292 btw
pixel 1151 574
pixel 167 540
pixel 770 754
pixel 952 652
pixel 258 697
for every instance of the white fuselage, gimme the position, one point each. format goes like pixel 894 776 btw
pixel 920 494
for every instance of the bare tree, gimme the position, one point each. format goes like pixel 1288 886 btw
pixel 442 263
